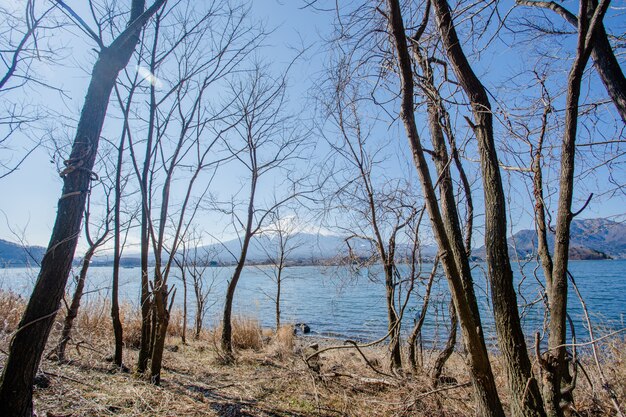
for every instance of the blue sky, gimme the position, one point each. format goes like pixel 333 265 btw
pixel 29 195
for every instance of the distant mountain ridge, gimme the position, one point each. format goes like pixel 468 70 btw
pixel 590 239
pixel 307 248
pixel 13 254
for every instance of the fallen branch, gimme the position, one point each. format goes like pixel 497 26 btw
pixel 364 380
pixel 69 379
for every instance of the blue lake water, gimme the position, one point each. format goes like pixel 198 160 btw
pixel 337 302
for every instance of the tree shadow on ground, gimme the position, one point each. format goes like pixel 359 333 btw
pixel 228 406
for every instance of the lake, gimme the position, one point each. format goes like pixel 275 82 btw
pixel 339 302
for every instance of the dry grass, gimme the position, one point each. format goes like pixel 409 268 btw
pixel 11 308
pixel 246 333
pixel 269 378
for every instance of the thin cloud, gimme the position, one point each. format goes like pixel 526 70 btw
pixel 147 75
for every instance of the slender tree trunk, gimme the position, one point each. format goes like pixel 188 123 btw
pixel 72 313
pixel 227 330
pixel 449 213
pixel 184 335
pixel 487 399
pixel 461 247
pixel 525 394
pixel 417 329
pixel 153 325
pixel 278 285
pixel 162 318
pixel 34 328
pixel 393 321
pixel 145 347
pixel 447 351
pixel 146 330
pixel 540 208
pixel 117 251
pixel 557 291
pixel 609 70
pixel 199 310
pixel 411 342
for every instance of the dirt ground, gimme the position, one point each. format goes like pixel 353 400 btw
pixel 271 376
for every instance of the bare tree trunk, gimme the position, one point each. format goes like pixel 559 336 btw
pixel 145 346
pixel 487 399
pixel 554 362
pixel 393 321
pixel 153 324
pixel 117 250
pixel 417 329
pixel 526 398
pixel 278 285
pixel 199 310
pixel 29 342
pixel 146 319
pixel 162 318
pixel 540 208
pixel 72 312
pixel 184 335
pixel 227 330
pixel 447 351
pixel 609 70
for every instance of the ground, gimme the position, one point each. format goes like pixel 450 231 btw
pixel 269 376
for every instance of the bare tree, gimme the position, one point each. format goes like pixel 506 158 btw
pixel 526 398
pixel 188 150
pixel 23 45
pixel 278 240
pixel 201 50
pixel 193 262
pixel 374 208
pixel 591 15
pixel 29 341
pixel 264 141
pixel 456 266
pixel 604 59
pixel 94 243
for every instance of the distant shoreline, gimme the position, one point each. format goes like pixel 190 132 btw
pixel 319 263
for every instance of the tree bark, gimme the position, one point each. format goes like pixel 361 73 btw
pixel 393 320
pixel 117 251
pixel 417 328
pixel 487 399
pixel 34 328
pixel 184 335
pixel 445 354
pixel 145 345
pixel 278 290
pixel 227 329
pixel 162 318
pixel 199 308
pixel 72 312
pixel 590 18
pixel 525 395
pixel 610 72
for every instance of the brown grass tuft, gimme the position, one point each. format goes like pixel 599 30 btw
pixel 11 309
pixel 283 342
pixel 247 334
